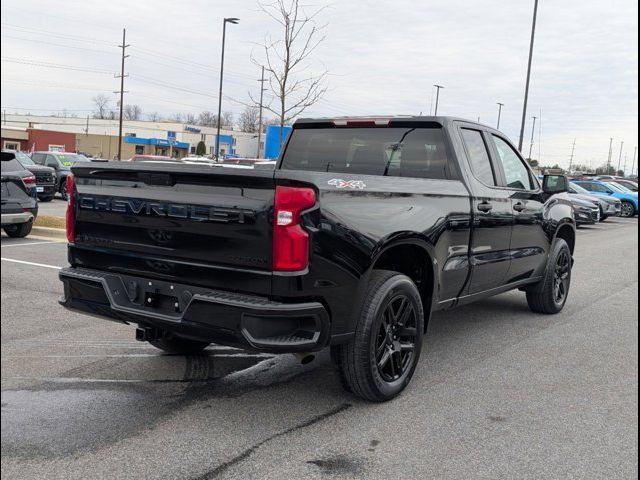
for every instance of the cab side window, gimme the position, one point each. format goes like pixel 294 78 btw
pixel 51 162
pixel 38 158
pixel 516 173
pixel 478 156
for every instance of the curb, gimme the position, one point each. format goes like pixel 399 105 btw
pixel 57 233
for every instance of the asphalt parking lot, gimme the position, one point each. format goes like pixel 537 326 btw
pixel 499 392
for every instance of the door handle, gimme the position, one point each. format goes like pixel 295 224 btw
pixel 519 207
pixel 485 207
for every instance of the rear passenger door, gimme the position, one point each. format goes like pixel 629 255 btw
pixel 529 242
pixel 492 214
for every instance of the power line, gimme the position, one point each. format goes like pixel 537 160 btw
pixel 53 65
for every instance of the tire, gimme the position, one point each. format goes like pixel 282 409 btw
pixel 19 230
pixel 178 346
pixel 63 190
pixel 603 218
pixel 628 209
pixel 46 199
pixel 380 360
pixel 549 296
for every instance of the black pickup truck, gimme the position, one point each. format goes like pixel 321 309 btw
pixel 364 228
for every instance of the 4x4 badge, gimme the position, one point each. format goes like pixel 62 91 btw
pixel 339 183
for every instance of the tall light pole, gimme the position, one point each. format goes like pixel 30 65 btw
pixel 620 157
pixel 500 105
pixel 262 89
pixel 224 34
pixel 610 153
pixel 533 131
pixel 438 87
pixel 526 88
pixel 633 165
pixel 573 150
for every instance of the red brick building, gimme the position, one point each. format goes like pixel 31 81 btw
pixel 14 138
pixel 47 140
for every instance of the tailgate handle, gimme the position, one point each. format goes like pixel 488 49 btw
pixel 162 179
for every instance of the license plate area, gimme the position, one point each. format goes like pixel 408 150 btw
pixel 161 302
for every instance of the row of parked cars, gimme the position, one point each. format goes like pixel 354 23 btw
pixel 597 198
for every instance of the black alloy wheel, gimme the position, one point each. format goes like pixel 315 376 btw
pixel 395 342
pixel 561 277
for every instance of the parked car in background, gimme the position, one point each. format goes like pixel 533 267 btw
pixel 61 162
pixel 585 212
pixel 19 200
pixel 629 199
pixel 45 176
pixel 630 184
pixel 609 206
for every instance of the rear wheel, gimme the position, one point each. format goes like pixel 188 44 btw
pixel 19 230
pixel 550 295
pixel 178 346
pixel 63 190
pixel 47 198
pixel 628 209
pixel 380 360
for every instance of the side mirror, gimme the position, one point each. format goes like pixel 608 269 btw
pixel 552 184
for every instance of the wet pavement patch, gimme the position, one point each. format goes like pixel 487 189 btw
pixel 60 422
pixel 338 465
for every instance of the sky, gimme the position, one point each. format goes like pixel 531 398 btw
pixel 383 58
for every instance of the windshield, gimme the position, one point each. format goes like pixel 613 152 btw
pixel 23 158
pixel 575 188
pixel 68 159
pixel 619 188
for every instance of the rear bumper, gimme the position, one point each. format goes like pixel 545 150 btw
pixel 197 313
pixel 16 218
pixel 46 189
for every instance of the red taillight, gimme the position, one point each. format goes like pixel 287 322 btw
pixel 29 181
pixel 71 209
pixel 290 240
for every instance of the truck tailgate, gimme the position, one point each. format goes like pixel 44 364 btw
pixel 203 225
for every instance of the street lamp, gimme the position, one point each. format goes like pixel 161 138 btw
pixel 500 105
pixel 224 34
pixel 526 88
pixel 438 87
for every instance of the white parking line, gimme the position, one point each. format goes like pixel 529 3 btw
pixel 28 244
pixel 30 263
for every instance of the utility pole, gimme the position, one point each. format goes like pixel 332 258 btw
pixel 610 153
pixel 86 130
pixel 633 165
pixel 262 89
pixel 500 105
pixel 526 88
pixel 533 130
pixel 573 149
pixel 624 169
pixel 438 87
pixel 122 92
pixel 620 157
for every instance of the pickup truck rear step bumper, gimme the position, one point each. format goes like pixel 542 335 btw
pixel 198 313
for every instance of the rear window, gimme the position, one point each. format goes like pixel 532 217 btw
pixel 11 165
pixel 394 152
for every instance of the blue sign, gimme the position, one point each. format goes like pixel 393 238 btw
pixel 171 136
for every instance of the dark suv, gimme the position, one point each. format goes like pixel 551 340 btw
pixel 19 202
pixel 61 162
pixel 45 176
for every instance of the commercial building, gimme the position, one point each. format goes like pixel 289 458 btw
pixel 99 137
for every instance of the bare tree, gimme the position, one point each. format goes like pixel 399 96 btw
pixel 153 117
pixel 286 60
pixel 226 120
pixel 207 119
pixel 190 119
pixel 101 103
pixel 176 117
pixel 132 112
pixel 248 120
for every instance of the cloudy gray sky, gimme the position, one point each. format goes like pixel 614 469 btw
pixel 383 58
